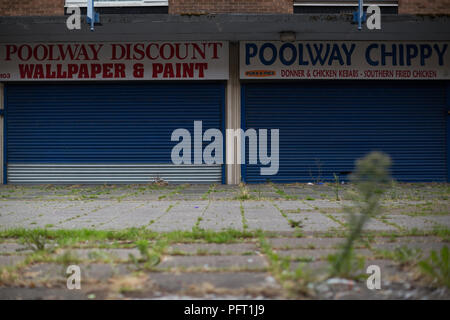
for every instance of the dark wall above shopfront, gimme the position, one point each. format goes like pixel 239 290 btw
pixel 232 27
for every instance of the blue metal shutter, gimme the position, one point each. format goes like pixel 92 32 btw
pixel 106 133
pixel 325 126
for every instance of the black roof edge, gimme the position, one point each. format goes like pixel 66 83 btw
pixel 231 27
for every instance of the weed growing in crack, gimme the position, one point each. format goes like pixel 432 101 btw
pixel 150 257
pixel 295 224
pixel 283 193
pixel 68 258
pixel 371 178
pixel 37 240
pixel 208 194
pixel 295 282
pixel 244 220
pixel 407 256
pixel 244 193
pixel 437 267
pixel 337 186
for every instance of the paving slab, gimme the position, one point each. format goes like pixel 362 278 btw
pixel 58 214
pixel 175 282
pixel 371 225
pixel 316 254
pixel 407 222
pixel 93 272
pixel 299 191
pixel 85 214
pixel 222 195
pixel 439 220
pixel 13 247
pixel 222 215
pixel 104 217
pixel 213 262
pixel 263 191
pixel 290 206
pixel 45 272
pixel 16 293
pixel 402 203
pixel 138 215
pixel 103 254
pixel 407 239
pixel 213 248
pixel 11 260
pixel 25 213
pixel 190 193
pixel 317 266
pixel 389 269
pixel 182 216
pixel 292 243
pixel 326 204
pixel 314 221
pixel 424 247
pixel 264 216
pixel 102 271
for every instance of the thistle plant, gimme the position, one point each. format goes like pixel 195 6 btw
pixel 371 178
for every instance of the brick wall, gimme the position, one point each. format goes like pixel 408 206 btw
pixel 424 6
pixel 56 7
pixel 230 6
pixel 31 7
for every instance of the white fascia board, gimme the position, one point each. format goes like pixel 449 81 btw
pixel 99 4
pixel 315 4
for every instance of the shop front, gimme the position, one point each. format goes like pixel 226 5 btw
pixel 105 112
pixel 334 102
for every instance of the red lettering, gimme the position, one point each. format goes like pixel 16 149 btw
pixel 119 70
pixel 95 70
pixel 148 51
pixel 215 49
pixel 201 67
pixel 95 50
pixel 38 72
pixel 49 73
pixel 188 70
pixel 177 51
pixel 107 70
pixel 84 71
pixel 10 49
pixel 69 51
pixel 72 69
pixel 168 71
pixel 162 51
pixel 30 52
pixel 44 52
pixel 201 52
pixel 114 52
pixel 139 49
pixel 138 70
pixel 26 71
pixel 157 69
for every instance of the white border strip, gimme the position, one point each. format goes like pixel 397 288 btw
pixel 144 3
pixel 2 138
pixel 343 4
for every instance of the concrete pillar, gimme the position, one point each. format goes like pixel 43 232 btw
pixel 2 147
pixel 233 116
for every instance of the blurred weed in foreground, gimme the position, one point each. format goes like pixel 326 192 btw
pixel 371 179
